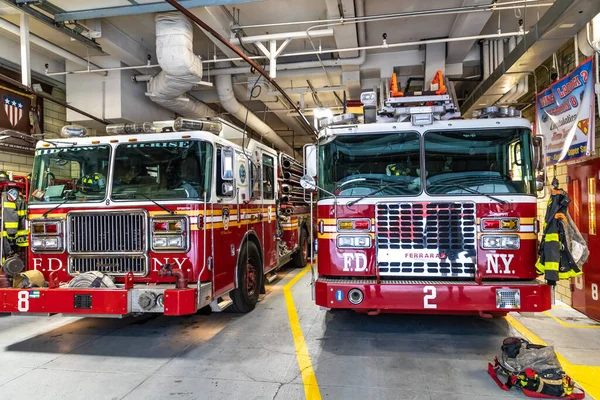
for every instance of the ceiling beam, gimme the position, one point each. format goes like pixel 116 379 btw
pixel 139 9
pixel 52 23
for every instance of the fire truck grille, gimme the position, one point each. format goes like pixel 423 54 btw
pixel 426 239
pixel 109 265
pixel 109 232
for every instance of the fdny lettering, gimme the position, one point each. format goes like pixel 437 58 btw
pixel 355 262
pixel 51 264
pixel 493 263
pixel 157 263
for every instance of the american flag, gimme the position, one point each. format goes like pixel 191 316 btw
pixel 13 109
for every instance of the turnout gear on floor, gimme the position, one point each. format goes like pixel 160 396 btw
pixel 29 279
pixel 534 369
pixel 555 259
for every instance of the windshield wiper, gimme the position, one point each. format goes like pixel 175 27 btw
pixel 157 203
pixel 55 207
pixel 381 189
pixel 475 191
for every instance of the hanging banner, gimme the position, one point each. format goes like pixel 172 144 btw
pixel 565 115
pixel 15 128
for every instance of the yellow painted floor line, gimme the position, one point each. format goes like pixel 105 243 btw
pixel 568 325
pixel 311 387
pixel 587 377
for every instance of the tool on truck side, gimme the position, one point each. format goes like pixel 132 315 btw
pixel 421 210
pixel 161 217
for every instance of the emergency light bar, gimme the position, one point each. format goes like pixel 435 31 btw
pixel 130 128
pixel 71 131
pixel 185 124
pixel 496 112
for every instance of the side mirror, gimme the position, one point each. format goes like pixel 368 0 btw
pixel 310 160
pixel 308 182
pixel 227 189
pixel 539 185
pixel 227 163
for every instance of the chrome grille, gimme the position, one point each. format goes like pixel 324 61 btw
pixel 109 265
pixel 426 239
pixel 107 232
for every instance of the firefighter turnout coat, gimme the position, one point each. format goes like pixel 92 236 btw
pixel 555 260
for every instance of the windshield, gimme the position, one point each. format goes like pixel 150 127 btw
pixel 162 170
pixel 75 174
pixel 490 162
pixel 377 164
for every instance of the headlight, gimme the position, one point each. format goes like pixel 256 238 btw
pixel 353 241
pixel 46 244
pixel 168 242
pixel 491 242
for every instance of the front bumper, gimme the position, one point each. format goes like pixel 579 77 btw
pixel 93 302
pixel 431 296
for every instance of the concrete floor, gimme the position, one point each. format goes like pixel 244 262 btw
pixel 253 356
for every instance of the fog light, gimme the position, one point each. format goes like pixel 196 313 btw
pixel 355 296
pixel 508 299
pixel 160 301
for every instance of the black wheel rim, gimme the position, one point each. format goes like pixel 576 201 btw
pixel 250 279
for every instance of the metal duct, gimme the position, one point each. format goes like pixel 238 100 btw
pixel 229 102
pixel 486 59
pixel 181 68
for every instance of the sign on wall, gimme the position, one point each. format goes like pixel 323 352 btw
pixel 565 115
pixel 14 120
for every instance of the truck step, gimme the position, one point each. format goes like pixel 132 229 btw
pixel 220 306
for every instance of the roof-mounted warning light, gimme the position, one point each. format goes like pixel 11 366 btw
pixel 496 112
pixel 369 101
pixel 130 128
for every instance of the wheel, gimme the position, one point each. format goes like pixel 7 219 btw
pixel 250 278
pixel 301 257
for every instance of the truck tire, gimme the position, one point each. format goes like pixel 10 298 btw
pixel 301 257
pixel 250 278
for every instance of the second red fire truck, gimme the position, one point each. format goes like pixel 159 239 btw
pixel 422 211
pixel 165 217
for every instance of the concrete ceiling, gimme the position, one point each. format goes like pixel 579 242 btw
pixel 138 33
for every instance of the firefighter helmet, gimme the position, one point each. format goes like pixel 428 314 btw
pixel 12 194
pixel 29 279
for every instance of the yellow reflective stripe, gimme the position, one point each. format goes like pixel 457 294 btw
pixel 22 213
pixel 10 204
pixel 23 244
pixel 551 237
pixel 22 232
pixel 551 265
pixel 569 274
pixel 9 225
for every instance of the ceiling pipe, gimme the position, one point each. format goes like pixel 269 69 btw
pixel 509 5
pixel 230 103
pixel 307 126
pixel 346 61
pixel 486 59
pixel 46 45
pixel 181 68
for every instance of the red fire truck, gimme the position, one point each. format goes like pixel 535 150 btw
pixel 421 211
pixel 166 217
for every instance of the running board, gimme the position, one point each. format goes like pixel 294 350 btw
pixel 220 306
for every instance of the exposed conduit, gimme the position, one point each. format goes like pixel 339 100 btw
pixel 181 68
pixel 362 55
pixel 236 109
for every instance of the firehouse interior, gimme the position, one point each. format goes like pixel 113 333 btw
pixel 318 199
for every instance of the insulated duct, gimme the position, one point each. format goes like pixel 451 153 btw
pixel 181 68
pixel 229 102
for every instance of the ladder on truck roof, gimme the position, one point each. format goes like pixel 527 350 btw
pixel 422 107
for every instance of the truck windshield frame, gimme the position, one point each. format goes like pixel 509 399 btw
pixel 375 164
pixel 162 170
pixel 77 174
pixel 489 161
